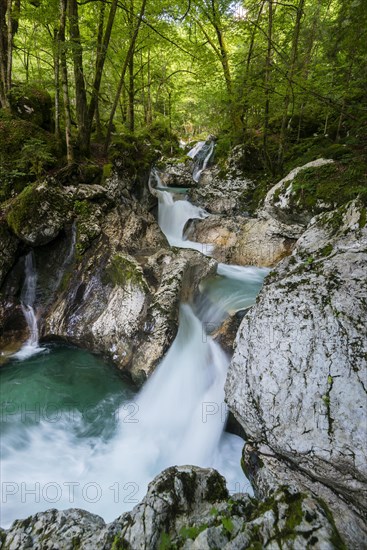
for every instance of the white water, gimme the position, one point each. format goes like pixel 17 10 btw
pixel 173 216
pixel 234 289
pixel 178 418
pixel 28 298
pixel 202 157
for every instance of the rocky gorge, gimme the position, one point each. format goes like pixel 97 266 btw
pixel 296 383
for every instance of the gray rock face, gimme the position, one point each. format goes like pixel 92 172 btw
pixel 177 175
pixel 185 507
pixel 278 201
pixel 263 242
pixel 219 195
pixel 297 381
pixel 121 297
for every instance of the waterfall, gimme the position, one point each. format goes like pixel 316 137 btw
pixel 173 216
pixel 201 154
pixel 28 298
pixel 178 418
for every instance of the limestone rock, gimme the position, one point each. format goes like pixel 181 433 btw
pixel 304 344
pixel 220 231
pixel 217 194
pixel 186 508
pixel 263 242
pixel 179 279
pixel 177 175
pixel 278 201
pixel 39 212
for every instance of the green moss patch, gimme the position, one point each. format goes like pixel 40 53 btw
pixel 121 270
pixel 332 184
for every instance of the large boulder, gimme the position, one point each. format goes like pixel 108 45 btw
pixel 190 508
pixel 39 212
pixel 220 194
pixel 297 381
pixel 285 203
pixel 121 296
pixel 263 242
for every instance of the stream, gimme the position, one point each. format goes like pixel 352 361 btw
pixel 76 434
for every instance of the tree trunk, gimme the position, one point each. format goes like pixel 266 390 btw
pixel 57 83
pixel 290 77
pixel 268 62
pixel 64 80
pixel 123 72
pixel 131 95
pixel 4 100
pixel 100 61
pixel 80 92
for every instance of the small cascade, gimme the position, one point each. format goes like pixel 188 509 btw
pixel 173 216
pixel 233 289
pixel 201 154
pixel 28 298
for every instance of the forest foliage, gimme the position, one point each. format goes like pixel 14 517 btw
pixel 266 73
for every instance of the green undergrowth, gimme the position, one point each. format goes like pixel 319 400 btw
pixel 134 154
pixel 26 153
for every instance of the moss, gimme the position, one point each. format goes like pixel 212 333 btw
pixel 335 539
pixel 362 219
pixel 332 184
pixel 294 512
pixel 28 208
pixel 121 270
pixel 165 542
pixel 18 164
pixel 106 171
pixel 191 532
pixel 134 154
pixel 83 208
pixel 326 251
pixel 119 544
pixel 32 104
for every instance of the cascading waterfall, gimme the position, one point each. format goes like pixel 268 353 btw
pixel 201 154
pixel 173 216
pixel 178 417
pixel 28 298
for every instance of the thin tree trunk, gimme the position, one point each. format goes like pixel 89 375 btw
pixel 268 61
pixel 248 64
pixel 123 72
pixel 64 79
pixel 291 73
pixel 4 100
pixel 57 83
pixel 131 95
pixel 9 64
pixel 100 61
pixel 80 92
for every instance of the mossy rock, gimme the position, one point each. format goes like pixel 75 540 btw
pixel 32 104
pixel 38 213
pixel 26 152
pixel 122 270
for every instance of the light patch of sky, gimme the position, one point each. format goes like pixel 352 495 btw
pixel 238 10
